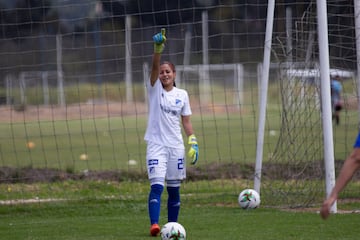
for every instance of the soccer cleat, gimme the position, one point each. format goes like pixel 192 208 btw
pixel 154 230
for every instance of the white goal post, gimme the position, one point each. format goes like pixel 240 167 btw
pixel 323 73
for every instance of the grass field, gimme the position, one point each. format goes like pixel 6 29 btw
pixel 111 142
pixel 104 210
pixel 226 133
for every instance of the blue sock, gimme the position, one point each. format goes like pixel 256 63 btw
pixel 154 202
pixel 173 203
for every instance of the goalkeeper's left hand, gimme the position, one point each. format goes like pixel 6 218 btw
pixel 159 41
pixel 193 153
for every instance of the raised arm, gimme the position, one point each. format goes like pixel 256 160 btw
pixel 159 44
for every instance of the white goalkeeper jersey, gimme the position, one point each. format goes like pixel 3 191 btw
pixel 165 111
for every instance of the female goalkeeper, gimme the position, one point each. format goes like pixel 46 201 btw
pixel 169 107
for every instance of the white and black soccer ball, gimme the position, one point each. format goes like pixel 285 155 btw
pixel 173 231
pixel 249 199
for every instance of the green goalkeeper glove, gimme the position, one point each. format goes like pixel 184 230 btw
pixel 159 41
pixel 193 153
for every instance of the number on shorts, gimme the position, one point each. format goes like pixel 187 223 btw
pixel 180 163
pixel 152 162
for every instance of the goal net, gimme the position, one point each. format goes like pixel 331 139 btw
pixel 295 167
pixel 74 102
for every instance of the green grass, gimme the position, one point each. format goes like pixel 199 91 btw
pixel 111 142
pixel 226 136
pixel 127 221
pixel 119 211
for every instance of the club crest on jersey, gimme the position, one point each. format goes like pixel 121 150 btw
pixel 177 101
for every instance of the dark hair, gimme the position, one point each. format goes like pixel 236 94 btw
pixel 172 66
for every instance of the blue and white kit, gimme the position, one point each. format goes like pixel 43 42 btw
pixel 165 146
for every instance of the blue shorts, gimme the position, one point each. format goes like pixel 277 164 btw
pixel 357 142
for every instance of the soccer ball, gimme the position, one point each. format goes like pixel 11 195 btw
pixel 249 199
pixel 173 231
